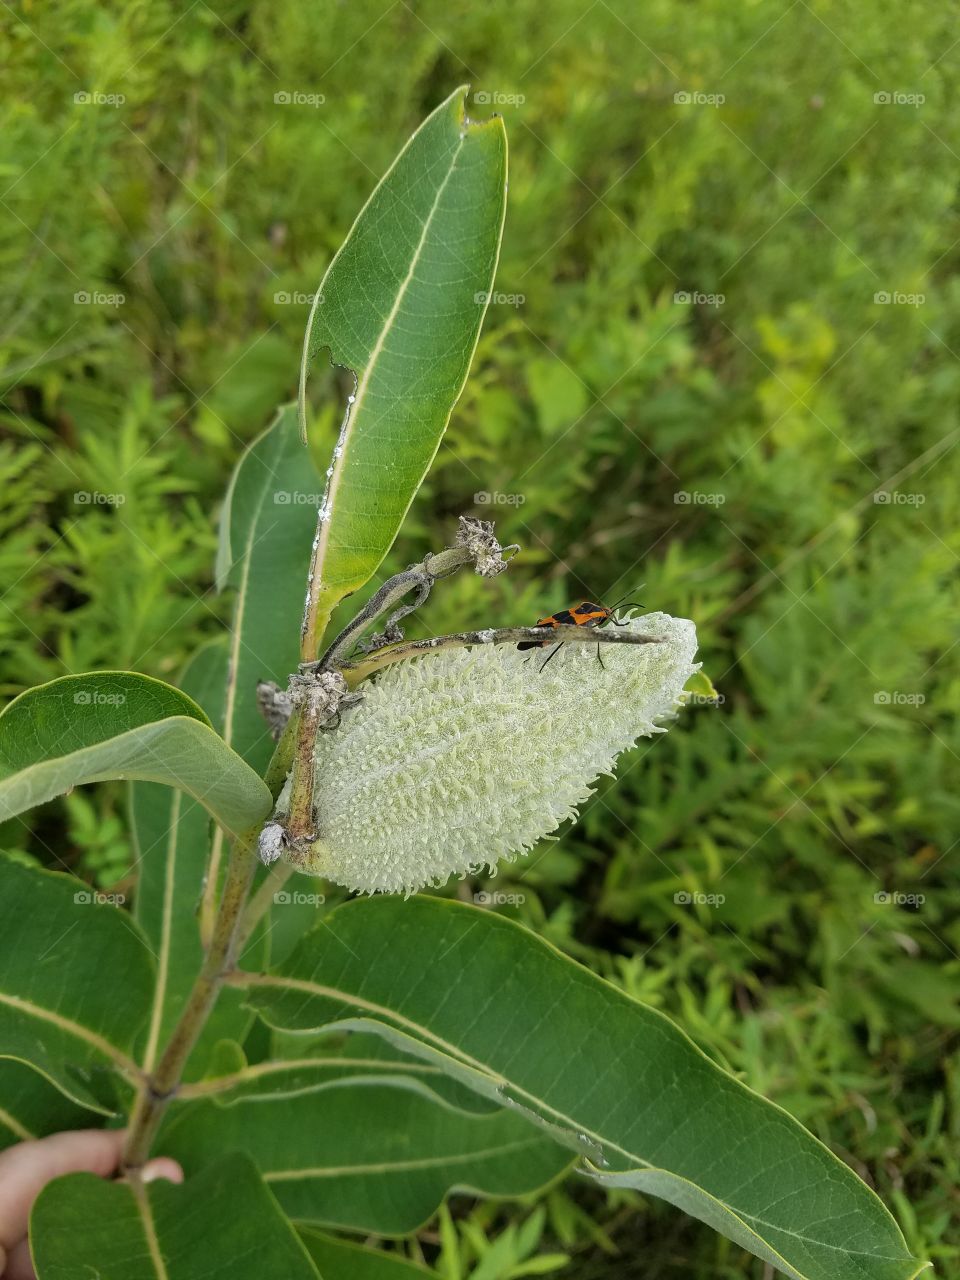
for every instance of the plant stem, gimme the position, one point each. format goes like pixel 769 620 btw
pixel 353 672
pixel 261 901
pixel 157 1091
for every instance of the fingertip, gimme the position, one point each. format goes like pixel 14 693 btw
pixel 161 1168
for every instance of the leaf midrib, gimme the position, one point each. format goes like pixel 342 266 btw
pixel 399 1166
pixel 140 1199
pixel 355 408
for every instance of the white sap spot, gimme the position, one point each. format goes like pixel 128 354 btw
pixel 351 399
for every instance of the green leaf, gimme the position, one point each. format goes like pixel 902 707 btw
pixel 368 1157
pixel 305 1067
pixel 118 724
pixel 32 1107
pixel 340 1260
pixel 401 306
pixel 267 526
pixel 505 1013
pixel 701 688
pixel 172 836
pixel 75 981
pixel 222 1223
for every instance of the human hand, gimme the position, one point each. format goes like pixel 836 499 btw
pixel 27 1168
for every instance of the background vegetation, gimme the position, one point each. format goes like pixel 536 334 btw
pixel 778 465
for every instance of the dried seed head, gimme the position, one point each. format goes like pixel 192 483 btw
pixel 470 756
pixel 479 539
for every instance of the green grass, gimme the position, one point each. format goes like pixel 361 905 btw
pixel 594 403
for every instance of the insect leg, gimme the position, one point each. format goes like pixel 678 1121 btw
pixel 552 655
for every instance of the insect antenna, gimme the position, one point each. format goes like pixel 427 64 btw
pixel 629 604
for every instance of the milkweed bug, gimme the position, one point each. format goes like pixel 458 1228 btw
pixel 585 614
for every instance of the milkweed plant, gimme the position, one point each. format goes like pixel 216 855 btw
pixel 325 1095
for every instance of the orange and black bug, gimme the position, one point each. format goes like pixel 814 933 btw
pixel 584 614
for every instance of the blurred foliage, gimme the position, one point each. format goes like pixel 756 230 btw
pixel 778 465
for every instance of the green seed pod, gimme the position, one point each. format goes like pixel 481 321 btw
pixel 455 761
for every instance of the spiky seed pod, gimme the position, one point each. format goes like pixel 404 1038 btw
pixel 470 756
